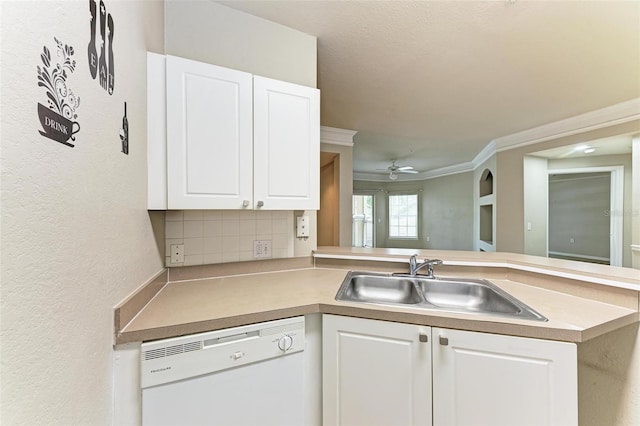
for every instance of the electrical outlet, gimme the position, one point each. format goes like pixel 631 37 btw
pixel 261 249
pixel 177 253
pixel 302 226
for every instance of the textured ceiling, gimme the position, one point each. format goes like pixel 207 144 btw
pixel 432 83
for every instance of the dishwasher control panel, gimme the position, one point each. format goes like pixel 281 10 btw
pixel 183 357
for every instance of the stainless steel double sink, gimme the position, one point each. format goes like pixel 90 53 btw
pixel 474 296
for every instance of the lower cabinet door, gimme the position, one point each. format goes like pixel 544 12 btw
pixel 486 379
pixel 375 372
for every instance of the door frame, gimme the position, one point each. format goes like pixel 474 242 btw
pixel 616 205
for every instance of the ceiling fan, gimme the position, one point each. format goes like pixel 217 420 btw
pixel 394 170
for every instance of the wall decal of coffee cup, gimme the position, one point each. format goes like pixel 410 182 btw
pixel 57 127
pixel 103 65
pixel 58 117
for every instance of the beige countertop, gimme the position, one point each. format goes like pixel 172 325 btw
pixel 199 305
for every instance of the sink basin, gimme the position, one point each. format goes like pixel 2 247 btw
pixel 382 289
pixel 474 296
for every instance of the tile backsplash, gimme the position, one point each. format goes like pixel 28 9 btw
pixel 221 236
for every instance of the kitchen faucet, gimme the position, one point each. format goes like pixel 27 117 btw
pixel 414 266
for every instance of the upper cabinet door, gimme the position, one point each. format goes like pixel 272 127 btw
pixel 209 136
pixel 286 145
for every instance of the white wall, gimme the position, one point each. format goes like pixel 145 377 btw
pixel 76 235
pixel 209 32
pixel 491 165
pixel 635 203
pixel 536 196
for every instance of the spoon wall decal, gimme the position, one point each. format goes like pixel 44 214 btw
pixel 92 53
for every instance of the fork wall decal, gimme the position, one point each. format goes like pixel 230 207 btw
pixel 101 66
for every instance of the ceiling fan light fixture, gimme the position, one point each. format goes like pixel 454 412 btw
pixel 393 176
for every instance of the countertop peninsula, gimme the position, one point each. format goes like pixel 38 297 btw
pixel 580 301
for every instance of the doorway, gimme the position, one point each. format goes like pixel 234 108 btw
pixel 329 213
pixel 363 221
pixel 583 223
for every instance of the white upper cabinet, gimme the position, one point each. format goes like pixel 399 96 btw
pixel 233 140
pixel 286 145
pixel 209 136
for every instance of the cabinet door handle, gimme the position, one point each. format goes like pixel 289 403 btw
pixel 424 338
pixel 260 203
pixel 444 341
pixel 245 203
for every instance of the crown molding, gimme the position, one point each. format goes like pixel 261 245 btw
pixel 486 153
pixel 593 120
pixel 605 117
pixel 336 136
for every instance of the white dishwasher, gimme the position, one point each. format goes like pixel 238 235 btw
pixel 249 375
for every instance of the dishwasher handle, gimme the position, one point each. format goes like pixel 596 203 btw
pixel 210 343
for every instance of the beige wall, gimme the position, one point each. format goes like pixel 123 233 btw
pixel 329 213
pixel 345 190
pixel 446 211
pixel 609 379
pixel 209 32
pixel 76 234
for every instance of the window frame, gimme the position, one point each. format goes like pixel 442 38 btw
pixel 418 211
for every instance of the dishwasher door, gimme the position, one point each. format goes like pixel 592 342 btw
pixel 251 375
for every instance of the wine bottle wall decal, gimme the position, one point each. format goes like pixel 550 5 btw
pixel 124 132
pixel 101 66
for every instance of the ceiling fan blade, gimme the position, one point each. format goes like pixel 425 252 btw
pixel 405 168
pixel 407 171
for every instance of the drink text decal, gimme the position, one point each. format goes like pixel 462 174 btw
pixel 58 116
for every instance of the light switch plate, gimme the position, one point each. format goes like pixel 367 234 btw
pixel 261 249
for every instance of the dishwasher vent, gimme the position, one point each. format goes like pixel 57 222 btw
pixel 172 350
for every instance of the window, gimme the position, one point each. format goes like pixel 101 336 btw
pixel 403 216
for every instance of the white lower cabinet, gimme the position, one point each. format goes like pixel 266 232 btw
pixel 375 372
pixel 383 373
pixel 488 379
